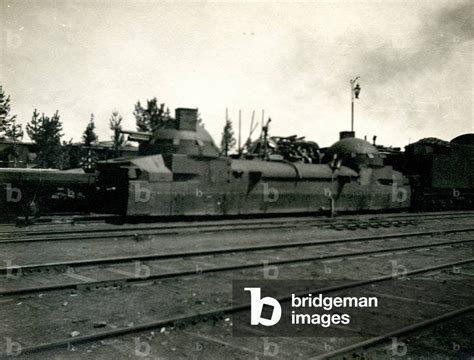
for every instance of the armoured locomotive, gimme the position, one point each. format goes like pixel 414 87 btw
pixel 441 173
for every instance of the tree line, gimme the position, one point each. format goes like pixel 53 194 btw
pixel 46 132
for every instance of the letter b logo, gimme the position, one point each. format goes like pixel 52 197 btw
pixel 256 308
pixel 142 194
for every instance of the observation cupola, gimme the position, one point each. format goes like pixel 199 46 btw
pixel 354 153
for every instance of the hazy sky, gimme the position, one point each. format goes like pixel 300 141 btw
pixel 294 60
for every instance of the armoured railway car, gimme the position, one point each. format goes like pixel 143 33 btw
pixel 35 191
pixel 180 173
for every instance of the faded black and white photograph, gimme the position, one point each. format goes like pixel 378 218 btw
pixel 236 179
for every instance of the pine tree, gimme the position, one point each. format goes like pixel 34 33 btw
pixel 72 155
pixel 115 124
pixel 5 117
pixel 89 136
pixel 228 140
pixel 14 132
pixel 8 126
pixel 9 129
pixel 152 117
pixel 45 132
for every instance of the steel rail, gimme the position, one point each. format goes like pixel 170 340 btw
pixel 117 233
pixel 57 220
pixel 132 279
pixel 161 229
pixel 122 233
pixel 114 232
pixel 399 332
pixel 161 256
pixel 221 311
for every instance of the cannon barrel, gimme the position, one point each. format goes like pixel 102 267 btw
pixel 137 135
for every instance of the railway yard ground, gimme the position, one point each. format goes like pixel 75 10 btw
pixel 81 287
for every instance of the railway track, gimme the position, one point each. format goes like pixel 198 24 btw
pixel 216 266
pixel 395 333
pixel 69 266
pixel 200 316
pixel 59 220
pixel 121 231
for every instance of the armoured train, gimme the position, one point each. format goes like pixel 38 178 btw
pixel 179 172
